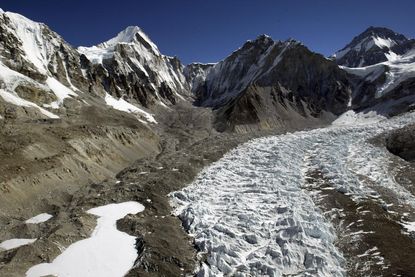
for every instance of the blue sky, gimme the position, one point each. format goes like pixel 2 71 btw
pixel 208 31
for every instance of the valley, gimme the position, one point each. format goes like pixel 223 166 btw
pixel 274 161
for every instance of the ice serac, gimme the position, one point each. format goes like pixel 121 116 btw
pixel 267 84
pixel 381 64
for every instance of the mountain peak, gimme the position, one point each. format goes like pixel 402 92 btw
pixel 127 35
pixel 382 32
pixel 263 37
pixel 374 45
pixel 131 34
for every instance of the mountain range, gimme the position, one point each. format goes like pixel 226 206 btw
pixel 81 127
pixel 263 84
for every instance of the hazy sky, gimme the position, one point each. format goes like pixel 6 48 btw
pixel 208 31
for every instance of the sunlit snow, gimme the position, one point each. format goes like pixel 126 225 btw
pixel 16 100
pixel 39 218
pixel 60 91
pixel 124 106
pixel 107 253
pixel 15 243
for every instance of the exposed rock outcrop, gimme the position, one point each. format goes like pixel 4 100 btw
pixel 402 143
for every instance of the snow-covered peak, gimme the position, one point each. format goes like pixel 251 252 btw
pixel 1 10
pixel 136 54
pixel 376 36
pixel 367 44
pixel 127 36
pixel 133 35
pixel 374 45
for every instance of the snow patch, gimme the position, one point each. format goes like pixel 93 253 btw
pixel 409 226
pixel 15 243
pixel 39 218
pixel 124 106
pixel 107 253
pixel 60 90
pixel 16 100
pixel 382 43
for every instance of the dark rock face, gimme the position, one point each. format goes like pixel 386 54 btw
pixel 402 143
pixel 371 47
pixel 270 84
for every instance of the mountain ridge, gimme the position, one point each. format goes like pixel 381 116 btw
pixel 129 67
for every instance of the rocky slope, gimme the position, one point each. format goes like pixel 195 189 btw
pixel 401 142
pixel 268 84
pixel 381 64
pixel 67 116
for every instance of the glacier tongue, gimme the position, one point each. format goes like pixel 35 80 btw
pixel 252 216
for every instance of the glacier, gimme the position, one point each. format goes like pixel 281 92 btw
pixel 251 215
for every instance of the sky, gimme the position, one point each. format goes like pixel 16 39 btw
pixel 209 30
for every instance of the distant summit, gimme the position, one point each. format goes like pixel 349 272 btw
pixel 374 45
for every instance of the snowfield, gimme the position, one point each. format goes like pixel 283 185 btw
pixel 108 252
pixel 252 216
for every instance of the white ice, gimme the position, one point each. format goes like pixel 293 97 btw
pixel 251 215
pixel 107 253
pixel 39 218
